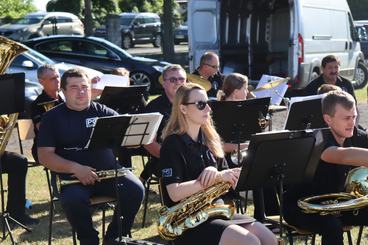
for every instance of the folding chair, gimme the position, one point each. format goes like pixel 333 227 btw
pixel 101 202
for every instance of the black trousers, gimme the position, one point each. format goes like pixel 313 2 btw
pixel 16 166
pixel 330 227
pixel 75 202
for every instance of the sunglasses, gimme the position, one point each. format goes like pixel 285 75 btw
pixel 199 104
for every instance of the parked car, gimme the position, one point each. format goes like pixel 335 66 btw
pixel 28 62
pixel 280 38
pixel 181 34
pixel 101 55
pixel 40 24
pixel 137 28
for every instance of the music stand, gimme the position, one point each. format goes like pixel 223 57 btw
pixel 236 121
pixel 124 99
pixel 267 163
pixel 11 102
pixel 111 132
pixel 305 114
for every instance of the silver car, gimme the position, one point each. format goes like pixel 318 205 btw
pixel 28 62
pixel 40 24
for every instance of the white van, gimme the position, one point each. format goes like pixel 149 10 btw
pixel 286 38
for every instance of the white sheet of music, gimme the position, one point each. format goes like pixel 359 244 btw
pixel 111 81
pixel 276 93
pixel 142 125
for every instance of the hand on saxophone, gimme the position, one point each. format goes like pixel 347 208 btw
pixel 208 176
pixel 229 175
pixel 85 174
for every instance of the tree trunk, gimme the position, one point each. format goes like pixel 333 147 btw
pixel 88 22
pixel 168 41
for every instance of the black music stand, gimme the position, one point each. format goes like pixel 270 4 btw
pixel 236 121
pixel 278 158
pixel 11 101
pixel 112 132
pixel 306 114
pixel 124 99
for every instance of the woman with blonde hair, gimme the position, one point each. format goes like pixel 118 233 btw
pixel 192 160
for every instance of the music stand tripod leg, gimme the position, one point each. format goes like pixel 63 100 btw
pixel 5 217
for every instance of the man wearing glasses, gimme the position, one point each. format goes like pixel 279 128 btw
pixel 173 76
pixel 209 69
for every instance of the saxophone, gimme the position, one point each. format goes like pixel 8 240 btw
pixel 193 211
pixel 8 51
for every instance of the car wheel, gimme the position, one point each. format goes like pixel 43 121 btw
pixel 126 42
pixel 157 40
pixel 361 76
pixel 141 78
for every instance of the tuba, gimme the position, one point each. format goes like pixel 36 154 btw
pixel 193 211
pixel 355 198
pixel 8 51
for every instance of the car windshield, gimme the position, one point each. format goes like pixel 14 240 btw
pixel 30 20
pixel 126 21
pixel 40 58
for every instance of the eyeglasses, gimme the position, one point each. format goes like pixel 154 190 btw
pixel 176 79
pixel 213 66
pixel 199 104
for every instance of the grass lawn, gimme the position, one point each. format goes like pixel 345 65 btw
pixel 37 192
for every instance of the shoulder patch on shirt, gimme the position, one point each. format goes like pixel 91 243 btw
pixel 91 122
pixel 167 172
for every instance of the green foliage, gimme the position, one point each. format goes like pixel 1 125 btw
pixel 74 7
pixel 100 8
pixel 154 6
pixel 13 9
pixel 359 9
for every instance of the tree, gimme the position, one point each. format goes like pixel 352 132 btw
pixel 88 21
pixel 168 43
pixel 359 9
pixel 13 9
pixel 154 6
pixel 100 8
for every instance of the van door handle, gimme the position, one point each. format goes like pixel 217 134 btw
pixel 350 45
pixel 346 45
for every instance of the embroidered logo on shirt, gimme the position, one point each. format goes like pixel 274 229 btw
pixel 167 172
pixel 91 122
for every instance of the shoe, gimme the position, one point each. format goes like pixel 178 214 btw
pixel 110 241
pixel 27 220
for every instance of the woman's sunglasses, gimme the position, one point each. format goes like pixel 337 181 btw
pixel 199 104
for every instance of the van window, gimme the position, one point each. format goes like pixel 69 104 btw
pixel 353 32
pixel 204 29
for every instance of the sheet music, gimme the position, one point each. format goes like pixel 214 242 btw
pixel 111 81
pixel 276 93
pixel 142 130
pixel 146 125
pixel 300 99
